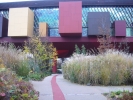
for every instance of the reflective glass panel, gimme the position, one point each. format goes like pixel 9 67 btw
pixel 51 17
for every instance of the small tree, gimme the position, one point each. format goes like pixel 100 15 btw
pixel 105 43
pixel 104 37
pixel 43 53
pixel 83 50
pixel 105 40
pixel 77 49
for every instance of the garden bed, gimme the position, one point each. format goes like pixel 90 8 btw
pixel 119 95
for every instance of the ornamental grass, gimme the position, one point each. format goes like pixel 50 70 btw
pixel 110 68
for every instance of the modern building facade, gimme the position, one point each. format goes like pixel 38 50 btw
pixel 67 22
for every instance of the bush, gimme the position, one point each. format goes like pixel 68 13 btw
pixel 76 69
pixel 83 50
pixel 119 95
pixel 14 59
pixel 19 61
pixel 10 55
pixel 109 68
pixel 35 76
pixel 13 88
pixel 38 76
pixel 42 52
pixel 23 69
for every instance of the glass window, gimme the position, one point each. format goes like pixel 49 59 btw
pixel 129 32
pixel 51 17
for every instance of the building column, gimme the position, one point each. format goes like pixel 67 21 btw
pixel 54 67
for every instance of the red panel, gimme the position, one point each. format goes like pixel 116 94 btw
pixel 70 18
pixel 54 67
pixel 120 28
pixel 62 53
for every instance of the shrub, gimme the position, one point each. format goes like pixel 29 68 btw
pixel 83 50
pixel 1 64
pixel 73 71
pixel 23 69
pixel 109 68
pixel 115 67
pixel 42 52
pixel 17 60
pixel 77 49
pixel 14 59
pixel 10 55
pixel 13 88
pixel 37 76
pixel 119 95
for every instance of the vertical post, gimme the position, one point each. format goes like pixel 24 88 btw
pixel 54 67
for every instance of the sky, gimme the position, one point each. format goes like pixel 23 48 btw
pixel 3 1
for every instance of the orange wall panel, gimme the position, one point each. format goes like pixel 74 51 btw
pixel 21 22
pixel 43 29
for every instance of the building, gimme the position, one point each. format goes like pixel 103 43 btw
pixel 67 22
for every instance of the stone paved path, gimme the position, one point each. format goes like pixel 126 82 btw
pixel 70 91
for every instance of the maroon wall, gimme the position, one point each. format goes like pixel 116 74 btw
pixel 70 18
pixel 66 46
pixel 120 28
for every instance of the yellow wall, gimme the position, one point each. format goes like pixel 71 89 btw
pixel 21 22
pixel 43 29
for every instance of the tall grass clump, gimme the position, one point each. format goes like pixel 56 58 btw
pixel 76 68
pixel 10 55
pixel 109 68
pixel 15 59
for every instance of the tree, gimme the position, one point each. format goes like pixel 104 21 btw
pixel 43 53
pixel 104 38
pixel 77 49
pixel 83 49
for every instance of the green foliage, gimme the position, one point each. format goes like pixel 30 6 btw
pixel 14 59
pixel 13 88
pixel 83 49
pixel 112 95
pixel 33 65
pixel 35 76
pixel 120 95
pixel 18 61
pixel 77 49
pixel 23 69
pixel 110 68
pixel 118 92
pixel 42 52
pixel 38 76
pixel 10 55
pixel 80 51
pixel 76 69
